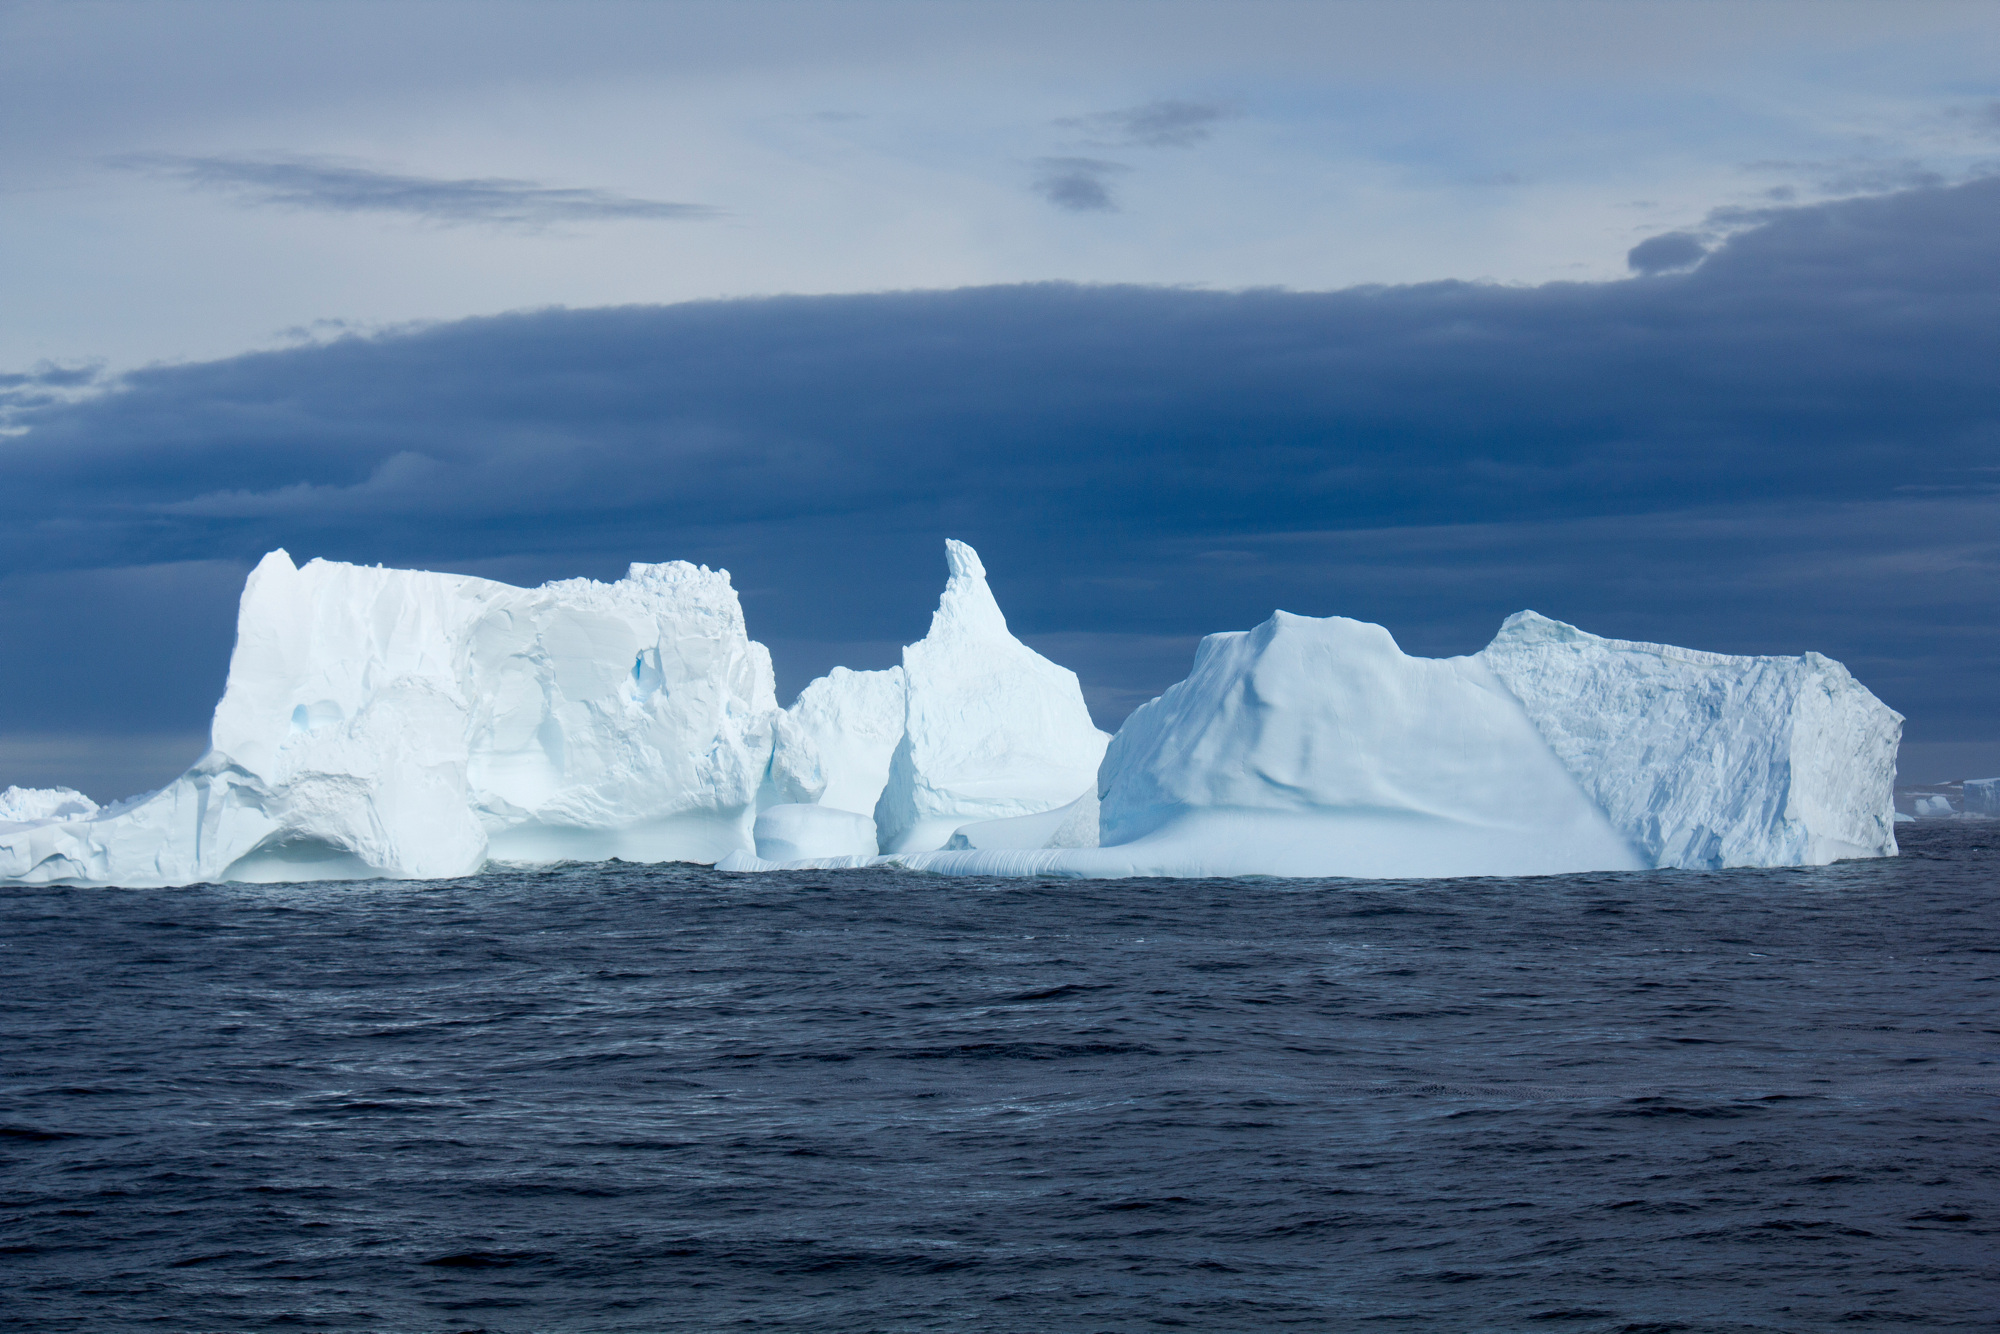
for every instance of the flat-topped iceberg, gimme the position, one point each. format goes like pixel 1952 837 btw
pixel 400 723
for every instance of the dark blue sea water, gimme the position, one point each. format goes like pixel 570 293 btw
pixel 655 1098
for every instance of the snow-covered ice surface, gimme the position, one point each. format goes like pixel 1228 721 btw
pixel 20 805
pixel 991 728
pixel 402 723
pixel 1070 826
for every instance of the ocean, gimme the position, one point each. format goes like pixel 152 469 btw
pixel 638 1098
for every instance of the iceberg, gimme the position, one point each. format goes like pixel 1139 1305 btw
pixel 991 728
pixel 1982 796
pixel 409 724
pixel 974 729
pixel 1317 747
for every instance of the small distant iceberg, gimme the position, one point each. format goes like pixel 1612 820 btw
pixel 396 723
pixel 1975 797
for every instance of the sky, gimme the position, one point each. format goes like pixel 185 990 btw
pixel 1675 320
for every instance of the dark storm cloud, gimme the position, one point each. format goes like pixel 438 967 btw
pixel 1793 445
pixel 1164 124
pixel 1661 254
pixel 329 186
pixel 1079 184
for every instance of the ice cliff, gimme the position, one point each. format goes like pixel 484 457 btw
pixel 399 723
pixel 1706 760
pixel 849 723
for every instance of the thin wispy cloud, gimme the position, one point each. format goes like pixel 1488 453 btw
pixel 45 385
pixel 1984 117
pixel 1852 176
pixel 329 185
pixel 48 375
pixel 1164 124
pixel 1079 184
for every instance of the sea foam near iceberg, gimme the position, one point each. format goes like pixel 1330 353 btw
pixel 407 724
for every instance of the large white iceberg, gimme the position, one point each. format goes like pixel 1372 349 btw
pixel 399 723
pixel 402 723
pixel 1316 747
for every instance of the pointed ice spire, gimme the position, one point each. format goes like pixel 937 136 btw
pixel 992 728
pixel 967 607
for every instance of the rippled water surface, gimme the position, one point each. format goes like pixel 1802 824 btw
pixel 646 1098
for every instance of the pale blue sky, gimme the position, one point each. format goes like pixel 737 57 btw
pixel 869 146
